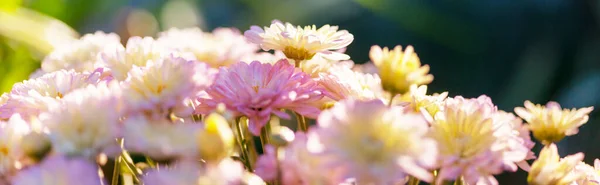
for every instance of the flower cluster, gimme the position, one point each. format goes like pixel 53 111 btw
pixel 189 107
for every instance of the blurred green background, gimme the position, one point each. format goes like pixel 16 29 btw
pixel 539 50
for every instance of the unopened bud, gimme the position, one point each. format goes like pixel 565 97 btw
pixel 36 145
pixel 216 140
pixel 281 136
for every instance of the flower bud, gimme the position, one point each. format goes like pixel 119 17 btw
pixel 216 140
pixel 36 145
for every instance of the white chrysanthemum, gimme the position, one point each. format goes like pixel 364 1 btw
pixel 341 83
pixel 3 98
pixel 301 43
pixel 549 168
pixel 80 55
pixel 31 97
pixel 137 52
pixel 86 122
pixel 222 47
pixel 419 100
pixel 227 172
pixel 60 170
pixel 11 133
pixel 591 174
pixel 513 137
pixel 375 144
pixel 318 64
pixel 164 83
pixel 160 139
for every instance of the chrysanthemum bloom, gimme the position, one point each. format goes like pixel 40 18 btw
pixel 227 172
pixel 222 47
pixel 550 123
pixel 31 97
pixel 137 52
pixel 60 170
pixel 160 139
pixel 471 144
pixel 419 100
pixel 399 70
pixel 162 85
pixel 341 83
pixel 550 169
pixel 591 174
pixel 301 43
pixel 368 67
pixel 216 140
pixel 258 90
pixel 11 133
pixel 318 64
pixel 375 144
pixel 80 55
pixel 515 140
pixel 300 164
pixel 86 122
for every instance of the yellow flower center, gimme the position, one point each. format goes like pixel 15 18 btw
pixel 3 150
pixel 297 53
pixel 255 88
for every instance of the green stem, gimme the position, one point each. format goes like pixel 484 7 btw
pixel 115 176
pixel 302 125
pixel 264 135
pixel 459 181
pixel 413 181
pixel 242 144
pixel 392 100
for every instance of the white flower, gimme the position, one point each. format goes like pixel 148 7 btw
pixel 301 43
pixel 227 172
pixel 80 55
pixel 160 139
pixel 86 122
pixel 59 170
pixel 11 133
pixel 341 83
pixel 222 47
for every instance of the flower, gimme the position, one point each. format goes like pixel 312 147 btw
pixel 341 83
pixel 258 90
pixel 80 55
pixel 319 64
pixel 470 143
pixel 59 170
pixel 375 144
pixel 31 97
pixel 215 140
pixel 591 174
pixel 227 172
pixel 398 70
pixel 137 52
pixel 515 140
pixel 222 47
pixel 160 139
pixel 163 84
pixel 299 165
pixel 11 152
pixel 86 122
pixel 301 43
pixel 368 68
pixel 419 101
pixel 550 123
pixel 550 169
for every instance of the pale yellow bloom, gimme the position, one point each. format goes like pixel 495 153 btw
pixel 549 169
pixel 340 82
pixel 215 140
pixel 301 43
pixel 419 101
pixel 11 134
pixel 591 174
pixel 550 123
pixel 398 70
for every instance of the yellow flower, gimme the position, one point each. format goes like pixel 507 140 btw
pixel 550 123
pixel 216 140
pixel 420 101
pixel 299 43
pixel 549 169
pixel 398 70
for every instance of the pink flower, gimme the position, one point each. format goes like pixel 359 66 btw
pixel 31 97
pixel 59 170
pixel 258 90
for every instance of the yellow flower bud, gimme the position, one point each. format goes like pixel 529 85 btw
pixel 216 140
pixel 399 70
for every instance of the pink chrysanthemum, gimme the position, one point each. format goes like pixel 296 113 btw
pixel 375 144
pixel 59 170
pixel 258 90
pixel 476 141
pixel 516 141
pixel 31 97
